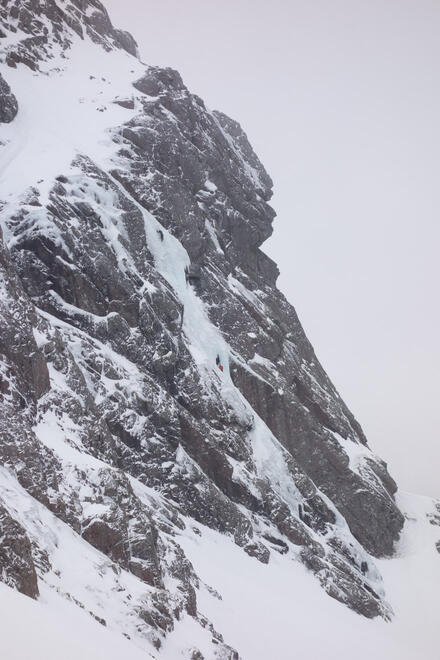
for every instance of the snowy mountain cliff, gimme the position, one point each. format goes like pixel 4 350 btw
pixel 179 478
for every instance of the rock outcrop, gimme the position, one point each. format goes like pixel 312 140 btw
pixel 8 102
pixel 16 562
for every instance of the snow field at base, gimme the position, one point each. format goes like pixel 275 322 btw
pixel 273 611
pixel 59 630
pixel 412 580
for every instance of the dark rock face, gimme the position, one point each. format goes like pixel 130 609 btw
pixel 24 379
pixel 127 42
pixel 125 532
pixel 8 102
pixel 150 370
pixel 17 567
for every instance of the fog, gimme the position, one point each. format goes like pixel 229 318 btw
pixel 341 101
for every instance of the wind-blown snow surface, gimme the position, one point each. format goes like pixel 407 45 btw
pixel 264 611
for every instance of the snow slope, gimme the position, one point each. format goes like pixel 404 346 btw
pixel 32 630
pixel 72 116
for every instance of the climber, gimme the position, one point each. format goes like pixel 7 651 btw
pixel 218 363
pixel 160 232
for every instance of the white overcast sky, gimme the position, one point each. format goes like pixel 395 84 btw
pixel 341 101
